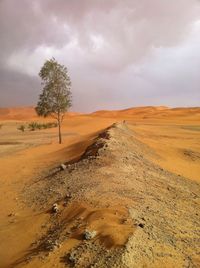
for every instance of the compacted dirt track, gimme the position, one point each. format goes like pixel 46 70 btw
pixel 114 208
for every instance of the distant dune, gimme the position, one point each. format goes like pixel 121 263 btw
pixel 146 112
pixel 17 113
pixel 150 112
pixel 21 113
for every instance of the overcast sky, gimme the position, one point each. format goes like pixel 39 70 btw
pixel 119 53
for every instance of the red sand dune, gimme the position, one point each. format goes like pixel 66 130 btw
pixel 22 113
pixel 146 112
pixel 17 113
pixel 157 112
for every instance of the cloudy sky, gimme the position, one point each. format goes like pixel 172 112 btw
pixel 119 53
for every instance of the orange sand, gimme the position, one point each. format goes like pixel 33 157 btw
pixel 173 135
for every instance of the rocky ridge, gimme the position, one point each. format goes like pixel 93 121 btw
pixel 142 215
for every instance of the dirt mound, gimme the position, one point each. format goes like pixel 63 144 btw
pixel 134 213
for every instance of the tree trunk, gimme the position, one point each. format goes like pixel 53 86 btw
pixel 59 131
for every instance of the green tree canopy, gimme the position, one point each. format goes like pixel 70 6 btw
pixel 55 98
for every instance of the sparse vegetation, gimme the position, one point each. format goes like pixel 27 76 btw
pixel 50 125
pixel 21 128
pixel 55 98
pixel 33 126
pixel 37 126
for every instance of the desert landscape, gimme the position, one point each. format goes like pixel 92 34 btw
pixel 99 134
pixel 122 190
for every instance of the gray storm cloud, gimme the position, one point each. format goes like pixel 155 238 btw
pixel 119 53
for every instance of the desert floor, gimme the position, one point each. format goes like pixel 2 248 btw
pixel 135 183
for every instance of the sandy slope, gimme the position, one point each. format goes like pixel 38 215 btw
pixel 143 215
pixel 100 194
pixel 177 146
pixel 145 113
pixel 17 113
pixel 36 151
pixel 22 113
pixel 154 113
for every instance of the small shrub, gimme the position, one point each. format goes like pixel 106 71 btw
pixel 21 128
pixel 51 124
pixel 44 126
pixel 38 126
pixel 34 125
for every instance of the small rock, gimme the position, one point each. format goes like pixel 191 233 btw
pixel 72 257
pixel 88 235
pixel 68 196
pixel 141 225
pixel 55 208
pixel 63 166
